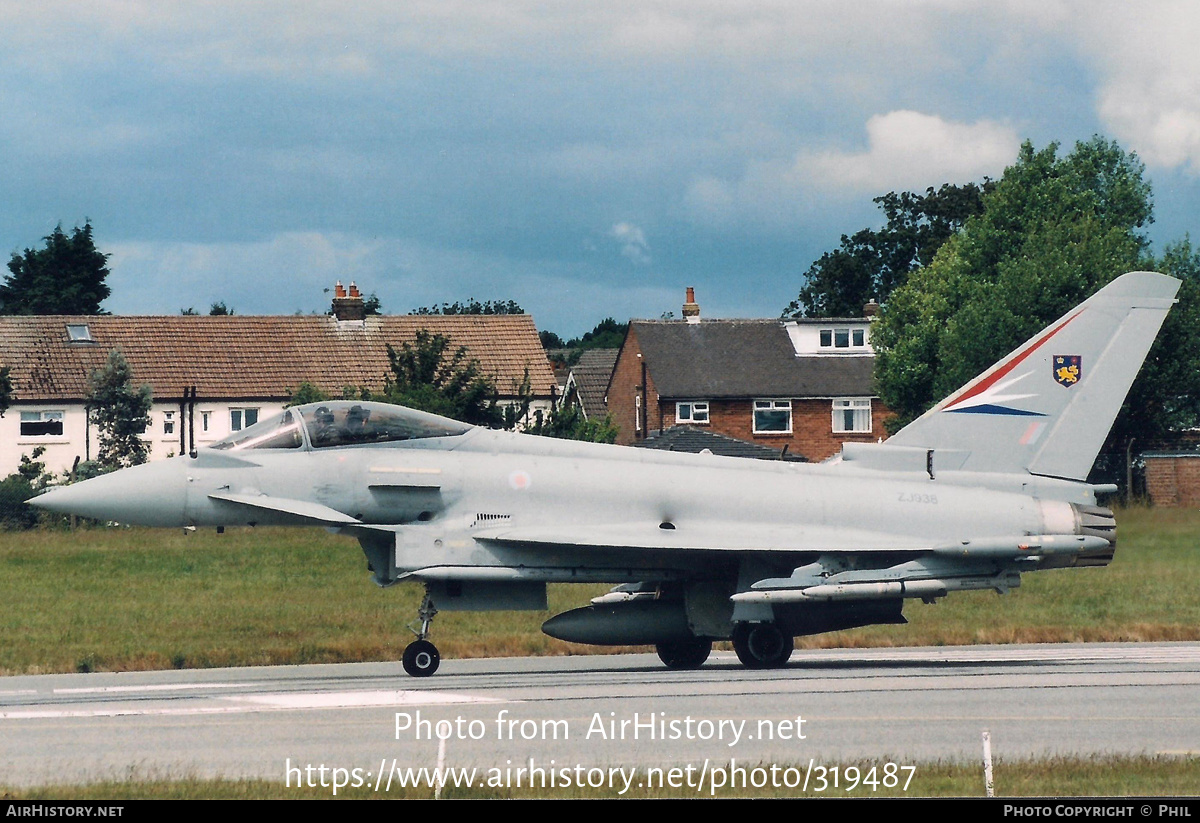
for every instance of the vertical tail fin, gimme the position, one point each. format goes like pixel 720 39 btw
pixel 1047 407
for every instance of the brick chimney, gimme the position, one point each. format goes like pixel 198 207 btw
pixel 691 309
pixel 348 306
pixel 871 310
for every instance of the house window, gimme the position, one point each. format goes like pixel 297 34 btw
pixel 79 333
pixel 42 424
pixel 772 416
pixel 692 411
pixel 852 416
pixel 242 418
pixel 205 421
pixel 846 338
pixel 637 413
pixel 168 422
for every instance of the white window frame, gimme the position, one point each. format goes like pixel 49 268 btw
pixel 169 424
pixel 79 333
pixel 772 406
pixel 43 415
pixel 850 333
pixel 241 412
pixel 637 412
pixel 692 411
pixel 856 404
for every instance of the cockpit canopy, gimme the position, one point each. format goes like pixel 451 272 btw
pixel 341 423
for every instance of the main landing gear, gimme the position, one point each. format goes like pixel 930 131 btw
pixel 684 654
pixel 761 645
pixel 421 657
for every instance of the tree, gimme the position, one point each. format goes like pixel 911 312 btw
pixel 6 389
pixel 29 479
pixel 472 306
pixel 121 414
pixel 65 277
pixel 1165 398
pixel 428 375
pixel 869 264
pixel 219 309
pixel 568 423
pixel 306 392
pixel 550 340
pixel 1053 230
pixel 607 334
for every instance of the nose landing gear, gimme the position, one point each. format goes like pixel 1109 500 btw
pixel 421 658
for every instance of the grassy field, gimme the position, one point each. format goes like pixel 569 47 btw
pixel 126 599
pixel 1061 777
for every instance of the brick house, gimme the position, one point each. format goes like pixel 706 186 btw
pixel 804 384
pixel 242 368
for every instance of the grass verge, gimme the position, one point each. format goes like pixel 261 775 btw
pixel 1060 776
pixel 133 599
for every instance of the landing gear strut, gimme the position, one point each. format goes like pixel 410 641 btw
pixel 761 645
pixel 421 657
pixel 684 654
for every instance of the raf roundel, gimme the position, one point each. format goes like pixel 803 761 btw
pixel 519 480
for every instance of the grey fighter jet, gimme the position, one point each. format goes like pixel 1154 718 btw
pixel 988 484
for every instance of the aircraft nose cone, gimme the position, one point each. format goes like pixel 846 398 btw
pixel 153 494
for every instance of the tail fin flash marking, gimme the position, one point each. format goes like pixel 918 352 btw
pixel 985 392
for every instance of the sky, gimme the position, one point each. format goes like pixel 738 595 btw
pixel 583 159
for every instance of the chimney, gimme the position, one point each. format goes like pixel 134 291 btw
pixel 871 310
pixel 348 306
pixel 691 309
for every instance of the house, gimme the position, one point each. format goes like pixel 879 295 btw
pixel 211 376
pixel 804 384
pixel 587 381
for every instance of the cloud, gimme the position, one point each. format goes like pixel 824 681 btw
pixel 905 150
pixel 1149 95
pixel 908 149
pixel 632 241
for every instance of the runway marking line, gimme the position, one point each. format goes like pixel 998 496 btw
pixel 161 687
pixel 253 703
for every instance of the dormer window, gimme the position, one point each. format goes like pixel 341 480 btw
pixel 843 338
pixel 79 333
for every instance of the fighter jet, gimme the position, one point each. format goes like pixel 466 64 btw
pixel 987 485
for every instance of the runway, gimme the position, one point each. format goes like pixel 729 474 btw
pixel 873 706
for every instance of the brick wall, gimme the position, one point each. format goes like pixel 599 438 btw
pixel 812 426
pixel 1173 480
pixel 625 388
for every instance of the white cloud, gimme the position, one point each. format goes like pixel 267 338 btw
pixel 1149 96
pixel 632 241
pixel 908 149
pixel 905 150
